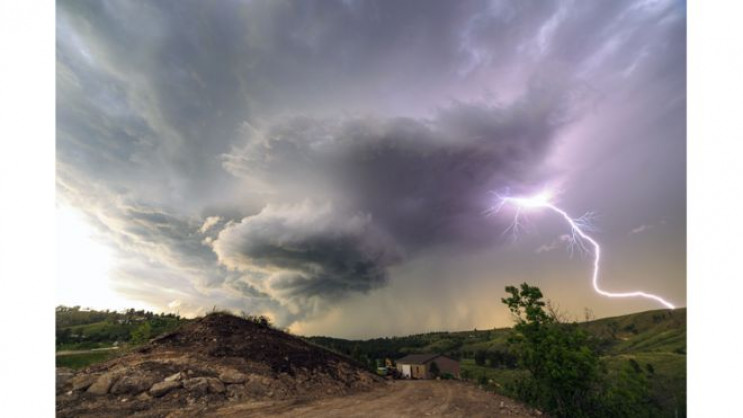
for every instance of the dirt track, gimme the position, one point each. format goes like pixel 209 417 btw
pixel 394 399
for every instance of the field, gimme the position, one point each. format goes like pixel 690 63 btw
pixel 80 360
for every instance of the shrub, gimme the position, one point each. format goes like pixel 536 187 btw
pixel 566 377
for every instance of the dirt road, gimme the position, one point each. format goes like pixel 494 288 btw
pixel 396 400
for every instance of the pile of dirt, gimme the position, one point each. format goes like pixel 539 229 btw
pixel 207 364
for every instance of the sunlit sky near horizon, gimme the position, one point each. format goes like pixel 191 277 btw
pixel 331 164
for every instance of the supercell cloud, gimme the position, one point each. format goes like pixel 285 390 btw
pixel 289 157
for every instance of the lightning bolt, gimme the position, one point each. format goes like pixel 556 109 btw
pixel 579 237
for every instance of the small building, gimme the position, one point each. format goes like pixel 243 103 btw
pixel 418 366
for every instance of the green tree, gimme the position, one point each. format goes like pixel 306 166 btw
pixel 563 367
pixel 142 333
pixel 566 375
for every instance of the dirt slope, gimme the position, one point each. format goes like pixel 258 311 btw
pixel 217 360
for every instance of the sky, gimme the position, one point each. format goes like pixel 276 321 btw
pixel 331 164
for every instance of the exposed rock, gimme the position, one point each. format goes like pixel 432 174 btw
pixel 134 383
pixel 144 396
pixel 102 385
pixel 215 385
pixel 232 376
pixel 218 360
pixel 236 391
pixel 258 386
pixel 174 377
pixel 159 389
pixel 83 381
pixel 64 375
pixel 197 386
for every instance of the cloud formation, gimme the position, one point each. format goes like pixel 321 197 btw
pixel 398 186
pixel 280 157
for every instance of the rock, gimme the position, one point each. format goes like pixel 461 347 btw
pixel 102 385
pixel 258 386
pixel 502 404
pixel 83 381
pixel 133 384
pixel 215 385
pixel 63 376
pixel 144 396
pixel 232 376
pixel 159 389
pixel 198 386
pixel 236 391
pixel 174 377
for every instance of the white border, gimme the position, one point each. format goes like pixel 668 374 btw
pixel 715 207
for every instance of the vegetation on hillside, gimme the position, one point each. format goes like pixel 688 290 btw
pixel 654 340
pixel 84 335
pixel 79 329
pixel 566 375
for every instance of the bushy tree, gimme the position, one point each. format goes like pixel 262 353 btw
pixel 142 333
pixel 566 376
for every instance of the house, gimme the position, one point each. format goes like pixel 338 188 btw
pixel 418 366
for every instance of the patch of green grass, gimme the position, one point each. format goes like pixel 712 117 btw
pixel 667 382
pixel 499 377
pixel 662 341
pixel 79 361
pixel 86 345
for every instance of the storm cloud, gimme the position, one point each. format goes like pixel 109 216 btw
pixel 287 157
pixel 397 186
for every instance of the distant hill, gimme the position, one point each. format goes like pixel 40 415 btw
pixel 655 340
pixel 205 364
pixel 651 331
pixel 79 329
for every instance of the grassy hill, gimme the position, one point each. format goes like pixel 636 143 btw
pixel 82 334
pixel 655 340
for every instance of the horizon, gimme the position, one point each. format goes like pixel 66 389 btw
pixel 239 314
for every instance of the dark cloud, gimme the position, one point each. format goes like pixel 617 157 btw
pixel 425 182
pixel 422 183
pixel 308 253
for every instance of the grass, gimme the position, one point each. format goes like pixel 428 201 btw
pixel 499 377
pixel 662 341
pixel 79 361
pixel 667 383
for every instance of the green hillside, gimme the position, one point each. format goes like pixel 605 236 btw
pixel 654 340
pixel 82 335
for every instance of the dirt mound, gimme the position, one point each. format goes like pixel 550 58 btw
pixel 206 364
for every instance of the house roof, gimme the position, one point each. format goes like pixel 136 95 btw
pixel 417 358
